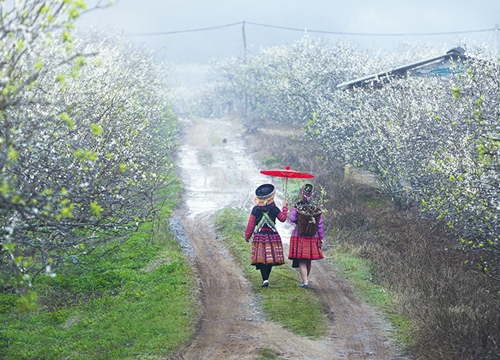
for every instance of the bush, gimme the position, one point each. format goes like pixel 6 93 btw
pixel 85 153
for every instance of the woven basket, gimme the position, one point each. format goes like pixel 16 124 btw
pixel 307 220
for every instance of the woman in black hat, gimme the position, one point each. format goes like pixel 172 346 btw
pixel 267 249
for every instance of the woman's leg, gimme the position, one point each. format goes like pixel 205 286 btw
pixel 308 265
pixel 303 269
pixel 265 271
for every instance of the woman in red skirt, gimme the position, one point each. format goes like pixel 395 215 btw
pixel 304 249
pixel 267 249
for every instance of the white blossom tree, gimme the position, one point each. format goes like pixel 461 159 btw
pixel 86 135
pixel 431 141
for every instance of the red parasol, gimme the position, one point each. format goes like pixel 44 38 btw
pixel 288 174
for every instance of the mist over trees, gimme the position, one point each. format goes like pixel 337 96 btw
pixel 86 136
pixel 432 142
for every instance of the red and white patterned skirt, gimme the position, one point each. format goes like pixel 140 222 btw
pixel 302 247
pixel 267 249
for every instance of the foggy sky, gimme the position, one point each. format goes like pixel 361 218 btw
pixel 135 17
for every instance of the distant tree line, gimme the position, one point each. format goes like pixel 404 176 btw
pixel 432 142
pixel 86 134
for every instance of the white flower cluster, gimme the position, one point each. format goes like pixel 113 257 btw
pixel 86 135
pixel 433 142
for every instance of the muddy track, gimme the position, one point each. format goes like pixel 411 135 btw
pixel 217 172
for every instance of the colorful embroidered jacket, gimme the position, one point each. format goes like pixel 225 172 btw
pixel 263 219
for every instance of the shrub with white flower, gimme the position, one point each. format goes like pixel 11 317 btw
pixel 87 130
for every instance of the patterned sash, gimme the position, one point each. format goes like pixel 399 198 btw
pixel 265 221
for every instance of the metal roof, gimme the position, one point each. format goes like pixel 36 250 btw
pixel 383 77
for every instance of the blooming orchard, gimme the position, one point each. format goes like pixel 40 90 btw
pixel 432 142
pixel 86 136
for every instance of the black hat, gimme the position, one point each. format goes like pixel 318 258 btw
pixel 264 194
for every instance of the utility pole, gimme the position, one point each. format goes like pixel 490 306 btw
pixel 244 43
pixel 245 62
pixel 496 39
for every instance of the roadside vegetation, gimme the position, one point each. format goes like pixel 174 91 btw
pixel 361 273
pixel 130 300
pixel 428 228
pixel 89 268
pixel 85 146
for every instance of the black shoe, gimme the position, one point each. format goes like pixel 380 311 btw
pixel 265 283
pixel 304 286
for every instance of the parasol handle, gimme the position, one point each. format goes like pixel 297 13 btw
pixel 286 189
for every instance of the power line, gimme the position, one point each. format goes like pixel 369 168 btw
pixel 183 31
pixel 308 30
pixel 372 34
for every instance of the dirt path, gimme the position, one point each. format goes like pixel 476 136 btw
pixel 217 172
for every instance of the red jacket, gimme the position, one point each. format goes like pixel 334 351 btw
pixel 257 213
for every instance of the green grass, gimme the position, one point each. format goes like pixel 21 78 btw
pixel 283 301
pixel 136 302
pixel 271 162
pixel 268 354
pixel 359 273
pixel 374 199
